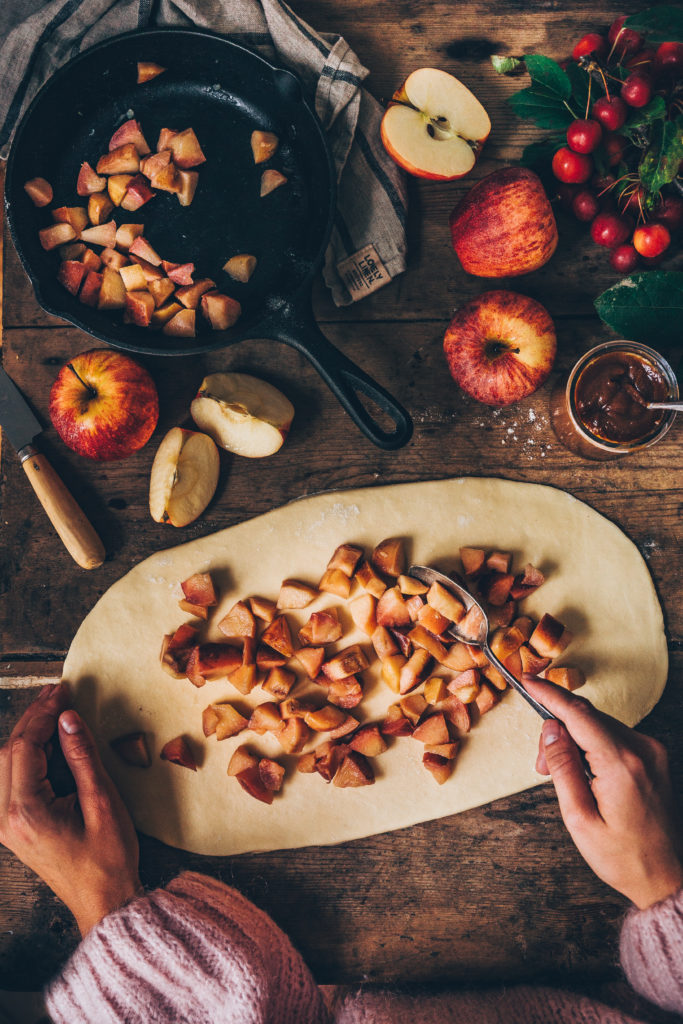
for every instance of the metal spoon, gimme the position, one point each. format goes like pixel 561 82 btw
pixel 665 405
pixel 481 639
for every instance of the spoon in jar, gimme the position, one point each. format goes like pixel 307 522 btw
pixel 665 405
pixel 476 631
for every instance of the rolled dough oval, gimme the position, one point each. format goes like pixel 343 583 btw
pixel 597 584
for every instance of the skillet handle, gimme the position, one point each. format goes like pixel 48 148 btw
pixel 344 379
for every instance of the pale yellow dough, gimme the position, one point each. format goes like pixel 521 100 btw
pixel 597 584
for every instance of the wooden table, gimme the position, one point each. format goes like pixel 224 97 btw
pixel 497 893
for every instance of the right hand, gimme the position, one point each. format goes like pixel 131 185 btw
pixel 623 821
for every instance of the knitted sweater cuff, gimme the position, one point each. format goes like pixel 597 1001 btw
pixel 195 952
pixel 651 949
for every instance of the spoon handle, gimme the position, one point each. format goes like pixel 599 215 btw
pixel 515 683
pixel 665 405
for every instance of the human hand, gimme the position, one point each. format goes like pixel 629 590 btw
pixel 83 845
pixel 623 821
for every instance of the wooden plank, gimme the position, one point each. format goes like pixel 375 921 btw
pixel 48 595
pixel 492 895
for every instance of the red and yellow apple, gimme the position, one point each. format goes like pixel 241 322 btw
pixel 505 225
pixel 243 414
pixel 434 126
pixel 500 347
pixel 184 477
pixel 104 405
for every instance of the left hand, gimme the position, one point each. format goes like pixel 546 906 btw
pixel 83 845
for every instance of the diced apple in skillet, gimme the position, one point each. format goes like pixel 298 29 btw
pixel 133 278
pixel 39 191
pixel 70 275
pixel 160 290
pixel 187 182
pixel 221 311
pixel 101 234
pixel 550 637
pixel 76 216
pixel 167 179
pixel 166 136
pixel 186 149
pixel 295 594
pixel 389 556
pixel 90 290
pixel 139 308
pixel 240 267
pixel 99 207
pixel 122 160
pixel 56 234
pixel 89 181
pixel 112 290
pixel 141 247
pixel 355 770
pixel 72 251
pixel 113 259
pixel 151 165
pixel 182 325
pixel 130 133
pixel 126 235
pixel 117 185
pixel 165 313
pixel 132 748
pixel 137 194
pixel 263 145
pixel 147 70
pixel 179 273
pixel 177 751
pixel 270 180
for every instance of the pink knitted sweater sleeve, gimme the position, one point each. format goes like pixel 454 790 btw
pixel 652 952
pixel 194 952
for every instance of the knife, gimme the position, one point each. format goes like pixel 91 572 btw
pixel 68 519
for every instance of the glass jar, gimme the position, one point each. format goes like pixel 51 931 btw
pixel 601 413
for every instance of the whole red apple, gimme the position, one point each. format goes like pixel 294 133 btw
pixel 505 225
pixel 104 405
pixel 500 347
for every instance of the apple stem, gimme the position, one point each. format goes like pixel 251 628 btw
pixel 88 387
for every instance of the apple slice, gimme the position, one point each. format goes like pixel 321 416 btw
pixel 191 294
pixel 151 165
pixel 122 160
pixel 487 698
pixel 130 132
pixel 76 216
pixel 177 751
pixel 187 182
pixel 112 290
pixel 410 587
pixel 241 759
pixel 126 235
pixel 39 191
pixel 186 149
pixel 137 194
pixel 527 582
pixel 239 268
pixel 434 127
pixel 272 774
pixel 434 690
pixel 446 603
pixel 384 643
pixel 99 207
pixel 133 278
pixel 138 308
pixel 90 292
pixel 263 145
pixel 392 610
pixel 363 612
pixel 270 180
pixel 147 70
pixel 369 580
pixel 101 234
pixel 220 310
pixel 243 414
pixel 151 272
pixel 184 478
pixel 223 720
pixel 182 325
pixel 396 723
pixel 414 670
pixel 179 273
pixel 56 234
pixel 392 666
pixel 89 181
pixel 432 730
pixel 294 737
pixel 413 707
pixel 432 620
pixel 348 662
pixel 279 637
pixel 193 609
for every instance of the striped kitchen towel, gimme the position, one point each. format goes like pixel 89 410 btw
pixel 368 244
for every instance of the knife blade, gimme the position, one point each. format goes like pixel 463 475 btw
pixel 21 427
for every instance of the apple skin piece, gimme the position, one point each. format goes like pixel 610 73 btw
pixel 147 70
pixel 240 267
pixel 263 145
pixel 186 149
pixel 104 405
pixel 500 347
pixel 89 181
pixel 177 751
pixel 39 191
pixel 70 275
pixel 90 291
pixel 504 226
pixel 132 748
pixel 137 194
pixel 179 273
pixel 183 480
pixel 243 414
pixel 122 160
pixel 139 308
pixel 434 127
pixel 56 234
pixel 130 132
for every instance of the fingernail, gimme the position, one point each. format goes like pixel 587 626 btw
pixel 551 731
pixel 70 722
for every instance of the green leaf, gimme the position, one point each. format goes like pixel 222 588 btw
pixel 654 111
pixel 660 24
pixel 543 108
pixel 662 161
pixel 549 74
pixel 506 65
pixel 578 80
pixel 541 153
pixel 644 306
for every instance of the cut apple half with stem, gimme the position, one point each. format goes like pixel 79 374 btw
pixel 243 414
pixel 184 477
pixel 434 126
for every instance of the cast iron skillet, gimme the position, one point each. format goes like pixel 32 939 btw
pixel 224 92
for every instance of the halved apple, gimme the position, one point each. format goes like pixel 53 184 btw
pixel 184 477
pixel 434 127
pixel 243 414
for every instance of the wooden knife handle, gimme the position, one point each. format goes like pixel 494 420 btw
pixel 67 517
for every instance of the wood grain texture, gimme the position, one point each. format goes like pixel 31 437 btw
pixel 497 893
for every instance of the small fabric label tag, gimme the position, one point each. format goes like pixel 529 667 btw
pixel 363 272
